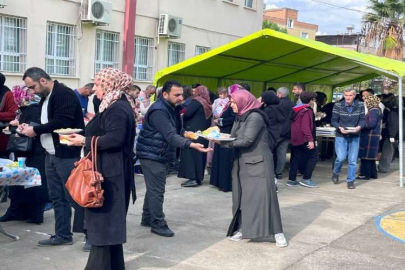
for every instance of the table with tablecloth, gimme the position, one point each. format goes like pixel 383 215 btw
pixel 11 176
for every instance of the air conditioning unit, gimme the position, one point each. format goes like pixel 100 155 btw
pixel 170 26
pixel 3 3
pixel 97 12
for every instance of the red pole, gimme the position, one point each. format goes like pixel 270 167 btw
pixel 129 37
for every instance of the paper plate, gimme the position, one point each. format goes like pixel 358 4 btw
pixel 67 131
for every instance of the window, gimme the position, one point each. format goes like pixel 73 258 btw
pixel 249 3
pixel 13 44
pixel 60 53
pixel 290 23
pixel 107 50
pixel 304 35
pixel 177 53
pixel 143 64
pixel 200 50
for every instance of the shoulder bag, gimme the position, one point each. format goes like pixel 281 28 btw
pixel 17 143
pixel 84 182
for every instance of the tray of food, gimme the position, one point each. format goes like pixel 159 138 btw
pixel 67 131
pixel 214 134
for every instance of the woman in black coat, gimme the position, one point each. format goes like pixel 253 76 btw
pixel 115 127
pixel 28 204
pixel 221 172
pixel 197 117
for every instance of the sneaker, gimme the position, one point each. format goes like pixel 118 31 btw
pixel 54 241
pixel 291 183
pixel 190 183
pixel 350 185
pixel 309 183
pixel 277 189
pixel 87 246
pixel 163 231
pixel 335 178
pixel 280 240
pixel 279 176
pixel 236 237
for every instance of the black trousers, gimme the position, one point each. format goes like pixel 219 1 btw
pixel 368 168
pixel 106 258
pixel 155 179
pixel 305 158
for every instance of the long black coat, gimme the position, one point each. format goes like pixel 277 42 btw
pixel 35 159
pixel 192 162
pixel 116 128
pixel 221 171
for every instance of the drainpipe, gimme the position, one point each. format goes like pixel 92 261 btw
pixel 128 53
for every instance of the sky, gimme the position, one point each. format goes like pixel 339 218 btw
pixel 331 20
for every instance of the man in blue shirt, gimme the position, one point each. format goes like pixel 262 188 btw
pixel 83 95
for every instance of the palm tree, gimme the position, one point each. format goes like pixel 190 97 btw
pixel 383 28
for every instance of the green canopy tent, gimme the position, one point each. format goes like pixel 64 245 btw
pixel 269 58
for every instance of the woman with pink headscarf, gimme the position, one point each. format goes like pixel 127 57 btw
pixel 197 117
pixel 255 204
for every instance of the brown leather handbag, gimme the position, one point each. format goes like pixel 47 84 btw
pixel 84 182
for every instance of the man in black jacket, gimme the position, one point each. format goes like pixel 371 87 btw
pixel 280 151
pixel 156 149
pixel 60 108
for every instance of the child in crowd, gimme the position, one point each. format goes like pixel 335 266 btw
pixel 221 102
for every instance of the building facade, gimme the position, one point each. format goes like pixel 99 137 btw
pixel 346 41
pixel 288 18
pixel 50 34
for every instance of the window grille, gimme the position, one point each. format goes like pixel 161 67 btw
pixel 13 44
pixel 177 52
pixel 143 64
pixel 60 58
pixel 200 50
pixel 107 50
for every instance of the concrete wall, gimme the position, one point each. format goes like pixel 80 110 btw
pixel 205 23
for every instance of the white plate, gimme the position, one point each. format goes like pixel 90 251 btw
pixel 350 128
pixel 4 161
pixel 6 132
pixel 67 131
pixel 217 139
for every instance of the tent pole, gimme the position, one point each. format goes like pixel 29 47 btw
pixel 401 135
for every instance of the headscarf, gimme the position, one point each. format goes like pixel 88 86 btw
pixel 372 102
pixel 245 101
pixel 23 97
pixel 201 94
pixel 233 88
pixel 114 84
pixel 269 98
pixel 3 89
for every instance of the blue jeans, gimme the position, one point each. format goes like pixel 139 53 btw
pixel 57 172
pixel 347 147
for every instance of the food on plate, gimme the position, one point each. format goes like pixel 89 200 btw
pixel 63 139
pixel 212 132
pixel 12 165
pixel 191 135
pixel 6 130
pixel 66 131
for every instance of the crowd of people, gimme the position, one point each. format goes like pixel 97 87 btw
pixel 251 165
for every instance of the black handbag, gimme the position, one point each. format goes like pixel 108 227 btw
pixel 19 144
